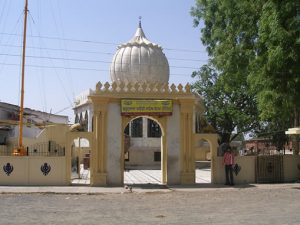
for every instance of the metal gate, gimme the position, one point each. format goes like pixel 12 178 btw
pixel 269 169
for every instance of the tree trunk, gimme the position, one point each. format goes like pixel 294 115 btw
pixel 225 138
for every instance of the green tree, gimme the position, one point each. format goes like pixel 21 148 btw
pixel 227 110
pixel 254 51
pixel 229 34
pixel 275 73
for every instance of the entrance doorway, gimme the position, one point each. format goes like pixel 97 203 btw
pixel 142 152
pixel 203 162
pixel 80 161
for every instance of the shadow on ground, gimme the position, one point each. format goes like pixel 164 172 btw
pixel 212 186
pixel 148 186
pixel 192 186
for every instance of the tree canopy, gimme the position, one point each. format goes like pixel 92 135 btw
pixel 252 78
pixel 223 81
pixel 275 74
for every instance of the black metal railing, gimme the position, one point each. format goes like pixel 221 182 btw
pixel 50 148
pixel 269 169
pixel 5 150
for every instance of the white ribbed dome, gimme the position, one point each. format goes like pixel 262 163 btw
pixel 139 60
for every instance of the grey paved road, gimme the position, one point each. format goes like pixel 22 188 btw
pixel 262 204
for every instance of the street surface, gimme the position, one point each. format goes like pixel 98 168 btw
pixel 149 204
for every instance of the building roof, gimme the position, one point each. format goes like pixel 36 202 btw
pixel 12 114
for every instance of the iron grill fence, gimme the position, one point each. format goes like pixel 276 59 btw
pixel 269 169
pixel 50 148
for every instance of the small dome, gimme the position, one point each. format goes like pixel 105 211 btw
pixel 139 60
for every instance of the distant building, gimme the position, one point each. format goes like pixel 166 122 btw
pixel 264 146
pixel 34 121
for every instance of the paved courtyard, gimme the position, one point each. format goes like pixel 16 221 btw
pixel 144 176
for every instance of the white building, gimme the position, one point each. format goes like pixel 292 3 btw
pixel 34 121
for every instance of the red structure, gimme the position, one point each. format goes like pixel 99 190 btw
pixel 264 146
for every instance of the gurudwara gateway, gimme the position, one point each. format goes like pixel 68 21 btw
pixel 138 106
pixel 140 116
pixel 138 120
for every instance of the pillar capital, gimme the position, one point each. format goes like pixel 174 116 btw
pixel 186 105
pixel 100 104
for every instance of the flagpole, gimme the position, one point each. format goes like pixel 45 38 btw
pixel 21 150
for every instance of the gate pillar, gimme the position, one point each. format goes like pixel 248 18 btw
pixel 98 161
pixel 187 154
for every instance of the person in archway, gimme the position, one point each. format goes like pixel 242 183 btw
pixel 228 162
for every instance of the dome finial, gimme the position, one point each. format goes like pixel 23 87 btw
pixel 140 22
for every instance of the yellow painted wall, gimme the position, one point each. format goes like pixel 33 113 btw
pixel 290 168
pixel 82 152
pixel 246 175
pixel 19 176
pixel 55 133
pixel 27 171
pixel 202 154
pixel 57 175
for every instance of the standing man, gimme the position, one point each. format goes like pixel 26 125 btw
pixel 228 161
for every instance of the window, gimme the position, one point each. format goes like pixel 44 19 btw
pixel 76 118
pixel 85 122
pixel 80 118
pixel 137 127
pixel 153 129
pixel 157 156
pixel 92 123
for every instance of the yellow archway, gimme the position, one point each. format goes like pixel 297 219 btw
pixel 178 155
pixel 162 123
pixel 71 136
pixel 212 139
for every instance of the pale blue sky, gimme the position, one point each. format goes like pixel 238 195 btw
pixel 71 44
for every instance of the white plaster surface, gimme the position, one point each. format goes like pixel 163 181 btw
pixel 145 142
pixel 143 156
pixel 85 108
pixel 173 146
pixel 114 144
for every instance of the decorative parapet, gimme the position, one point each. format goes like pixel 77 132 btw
pixel 122 87
pixel 83 97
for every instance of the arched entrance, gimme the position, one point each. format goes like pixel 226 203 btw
pixel 202 162
pixel 140 88
pixel 80 161
pixel 115 105
pixel 205 148
pixel 143 151
pixel 79 153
